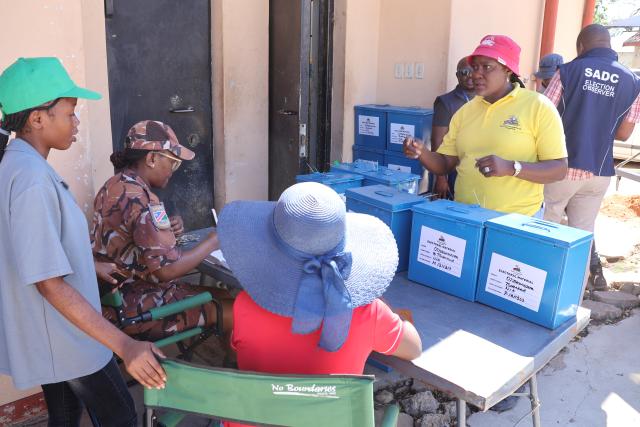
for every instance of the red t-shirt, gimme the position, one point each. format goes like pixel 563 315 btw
pixel 264 341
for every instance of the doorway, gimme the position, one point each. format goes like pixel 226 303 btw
pixel 159 64
pixel 300 62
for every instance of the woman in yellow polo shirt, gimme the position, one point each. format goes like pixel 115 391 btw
pixel 505 143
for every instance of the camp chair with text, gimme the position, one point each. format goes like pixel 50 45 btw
pixel 264 399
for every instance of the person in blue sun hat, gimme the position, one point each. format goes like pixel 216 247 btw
pixel 312 276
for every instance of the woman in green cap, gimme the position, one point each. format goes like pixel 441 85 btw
pixel 51 330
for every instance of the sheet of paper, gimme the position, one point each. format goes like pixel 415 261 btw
pixel 442 251
pixel 368 125
pixel 219 258
pixel 398 132
pixel 516 281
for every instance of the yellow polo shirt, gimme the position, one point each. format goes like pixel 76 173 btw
pixel 524 126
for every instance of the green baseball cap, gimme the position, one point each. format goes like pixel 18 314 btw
pixel 30 82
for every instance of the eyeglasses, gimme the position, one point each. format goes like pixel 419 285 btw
pixel 484 68
pixel 176 162
pixel 465 72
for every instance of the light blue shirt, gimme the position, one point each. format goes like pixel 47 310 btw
pixel 43 234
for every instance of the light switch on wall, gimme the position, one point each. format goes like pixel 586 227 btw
pixel 408 70
pixel 419 70
pixel 398 71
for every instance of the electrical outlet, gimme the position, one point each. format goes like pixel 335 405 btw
pixel 408 70
pixel 398 70
pixel 419 70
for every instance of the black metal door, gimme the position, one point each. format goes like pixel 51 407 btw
pixel 289 35
pixel 159 58
pixel 300 38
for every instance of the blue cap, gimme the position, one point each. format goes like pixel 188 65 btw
pixel 548 66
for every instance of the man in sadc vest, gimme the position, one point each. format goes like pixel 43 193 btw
pixel 598 99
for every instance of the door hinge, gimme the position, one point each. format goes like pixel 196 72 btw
pixel 302 147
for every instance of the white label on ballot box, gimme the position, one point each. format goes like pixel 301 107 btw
pixel 400 168
pixel 398 132
pixel 515 281
pixel 368 125
pixel 441 250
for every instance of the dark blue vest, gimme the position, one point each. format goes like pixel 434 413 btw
pixel 598 92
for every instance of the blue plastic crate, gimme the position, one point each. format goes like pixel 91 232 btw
pixel 407 182
pixel 398 161
pixel 340 182
pixel 370 126
pixel 407 121
pixel 533 269
pixel 393 207
pixel 446 246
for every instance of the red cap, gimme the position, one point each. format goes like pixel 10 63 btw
pixel 502 49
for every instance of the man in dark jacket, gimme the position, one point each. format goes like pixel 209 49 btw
pixel 444 107
pixel 598 99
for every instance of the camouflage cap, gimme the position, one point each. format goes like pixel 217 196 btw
pixel 156 136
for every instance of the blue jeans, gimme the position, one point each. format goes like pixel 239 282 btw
pixel 104 393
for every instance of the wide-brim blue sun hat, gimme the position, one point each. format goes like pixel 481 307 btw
pixel 305 257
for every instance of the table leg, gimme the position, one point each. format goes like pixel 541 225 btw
pixel 535 402
pixel 461 408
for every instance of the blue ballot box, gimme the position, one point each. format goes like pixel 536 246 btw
pixel 407 121
pixel 338 181
pixel 357 167
pixel 533 269
pixel 365 153
pixel 398 161
pixel 446 246
pixel 403 181
pixel 391 206
pixel 370 126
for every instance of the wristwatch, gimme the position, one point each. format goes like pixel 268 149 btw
pixel 517 167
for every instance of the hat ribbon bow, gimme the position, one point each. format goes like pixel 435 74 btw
pixel 323 299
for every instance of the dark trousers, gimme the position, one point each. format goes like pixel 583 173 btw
pixel 104 393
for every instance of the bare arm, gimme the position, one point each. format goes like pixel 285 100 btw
pixel 138 356
pixel 189 259
pixel 410 345
pixel 441 185
pixel 543 172
pixel 625 130
pixel 437 135
pixel 434 162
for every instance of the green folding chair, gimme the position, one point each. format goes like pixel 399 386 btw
pixel 263 399
pixel 114 299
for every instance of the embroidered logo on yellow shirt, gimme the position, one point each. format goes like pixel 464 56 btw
pixel 511 123
pixel 159 216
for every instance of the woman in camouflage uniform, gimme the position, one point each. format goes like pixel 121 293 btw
pixel 132 230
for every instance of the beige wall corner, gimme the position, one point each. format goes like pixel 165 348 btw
pixel 470 22
pixel 52 35
pixel 413 32
pixel 361 62
pixel 241 58
pixel 567 28
pixel 97 78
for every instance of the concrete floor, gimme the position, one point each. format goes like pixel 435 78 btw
pixel 594 382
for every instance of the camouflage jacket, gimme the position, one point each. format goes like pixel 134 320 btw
pixel 124 230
